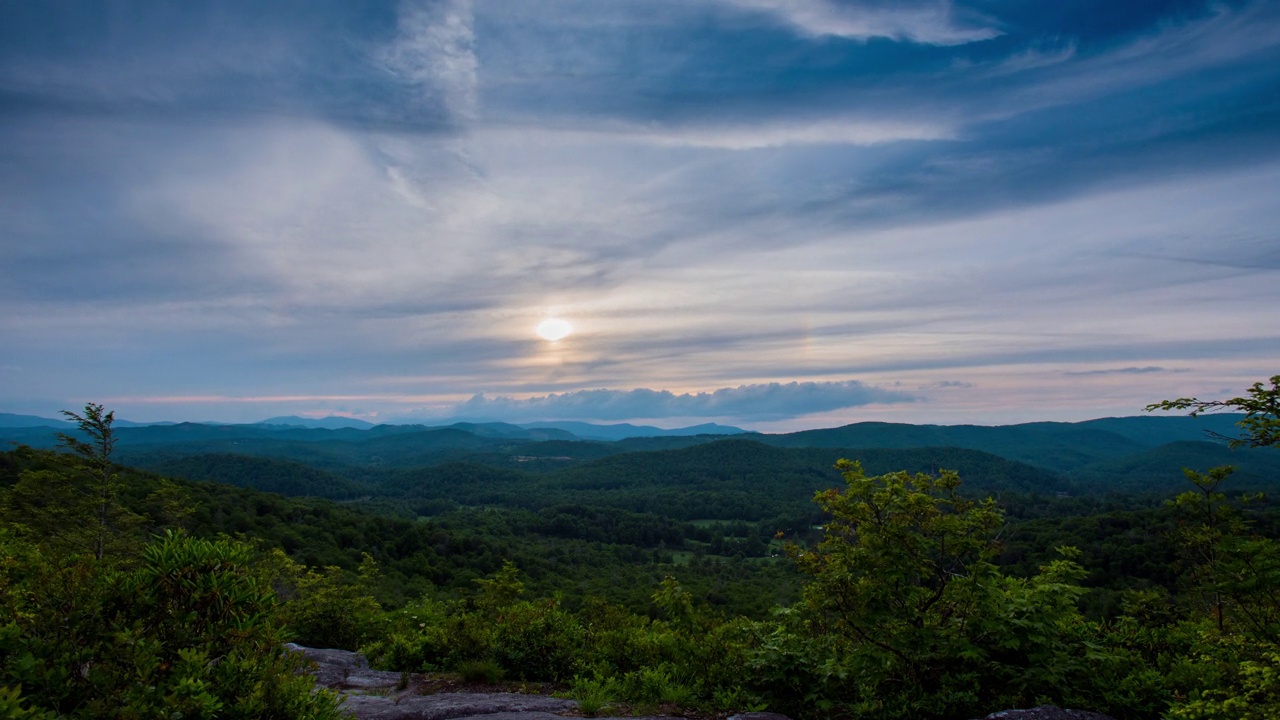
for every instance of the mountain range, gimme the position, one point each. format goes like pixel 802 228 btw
pixel 1129 454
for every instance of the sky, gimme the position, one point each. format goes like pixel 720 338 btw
pixel 776 213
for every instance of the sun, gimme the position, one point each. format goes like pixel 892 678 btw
pixel 554 329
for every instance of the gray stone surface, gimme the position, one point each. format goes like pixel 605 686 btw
pixel 758 716
pixel 450 706
pixel 1047 712
pixel 345 670
pixel 373 694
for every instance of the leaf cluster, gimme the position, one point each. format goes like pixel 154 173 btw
pixel 189 632
pixel 1260 404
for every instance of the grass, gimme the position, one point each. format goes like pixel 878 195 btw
pixel 593 696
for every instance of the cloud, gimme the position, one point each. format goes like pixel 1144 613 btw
pixel 932 23
pixel 337 62
pixel 434 51
pixel 1122 371
pixel 1036 57
pixel 763 401
pixel 295 205
pixel 831 131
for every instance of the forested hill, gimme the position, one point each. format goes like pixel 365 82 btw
pixel 1058 446
pixel 725 480
pixel 1133 454
pixel 422 535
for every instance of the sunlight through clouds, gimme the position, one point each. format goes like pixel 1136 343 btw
pixel 988 210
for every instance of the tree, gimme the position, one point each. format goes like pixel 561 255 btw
pixel 922 621
pixel 77 508
pixel 1238 572
pixel 1235 573
pixel 1260 404
pixel 900 551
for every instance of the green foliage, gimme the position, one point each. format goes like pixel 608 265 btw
pixel 1229 667
pixel 268 474
pixel 327 609
pixel 594 696
pixel 76 507
pixel 1260 404
pixel 627 577
pixel 608 653
pixel 528 640
pixel 481 671
pixel 190 630
pixel 13 707
pixel 1232 572
pixel 1253 694
pixel 912 616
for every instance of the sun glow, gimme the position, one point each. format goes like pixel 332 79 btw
pixel 554 329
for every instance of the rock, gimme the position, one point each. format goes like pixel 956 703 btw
pixel 345 670
pixel 381 695
pixel 1047 712
pixel 450 706
pixel 758 716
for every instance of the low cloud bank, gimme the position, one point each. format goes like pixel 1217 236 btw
pixel 770 401
pixel 1121 371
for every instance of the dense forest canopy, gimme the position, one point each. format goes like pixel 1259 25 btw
pixel 943 571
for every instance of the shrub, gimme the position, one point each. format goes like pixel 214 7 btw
pixel 593 695
pixel 191 632
pixel 481 671
pixel 327 610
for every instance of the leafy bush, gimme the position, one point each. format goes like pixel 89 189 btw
pixel 13 707
pixel 1252 692
pixel 481 671
pixel 325 609
pixel 528 640
pixel 191 630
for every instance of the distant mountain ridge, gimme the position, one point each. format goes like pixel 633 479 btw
pixel 1057 446
pixel 12 420
pixel 1141 454
pixel 1133 453
pixel 622 431
pixel 330 422
pixel 566 430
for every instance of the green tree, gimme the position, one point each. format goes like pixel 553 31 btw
pixel 1234 573
pixel 923 623
pixel 326 608
pixel 1260 404
pixel 1238 572
pixel 76 508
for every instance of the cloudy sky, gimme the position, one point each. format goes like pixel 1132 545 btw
pixel 778 213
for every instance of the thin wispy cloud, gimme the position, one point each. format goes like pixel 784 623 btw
pixel 434 52
pixel 251 209
pixel 933 22
pixel 1120 371
pixel 837 131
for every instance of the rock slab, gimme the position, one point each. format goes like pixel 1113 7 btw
pixel 1047 712
pixel 454 706
pixel 381 695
